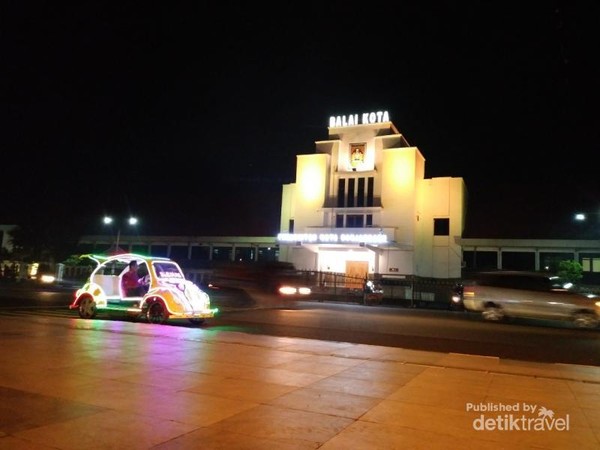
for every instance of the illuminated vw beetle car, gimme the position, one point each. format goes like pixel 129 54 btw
pixel 168 295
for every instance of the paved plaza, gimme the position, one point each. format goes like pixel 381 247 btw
pixel 105 384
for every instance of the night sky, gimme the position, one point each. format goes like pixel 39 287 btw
pixel 190 114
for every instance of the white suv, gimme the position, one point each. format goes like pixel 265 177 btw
pixel 530 295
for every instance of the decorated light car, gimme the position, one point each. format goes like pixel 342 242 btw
pixel 167 294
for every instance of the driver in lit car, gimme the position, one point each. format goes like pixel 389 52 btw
pixel 132 284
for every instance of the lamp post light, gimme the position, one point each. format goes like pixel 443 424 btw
pixel 108 220
pixel 588 223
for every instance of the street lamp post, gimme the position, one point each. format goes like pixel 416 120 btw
pixel 108 220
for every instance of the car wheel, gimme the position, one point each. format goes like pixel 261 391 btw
pixel 157 313
pixel 87 308
pixel 197 321
pixel 585 320
pixel 493 313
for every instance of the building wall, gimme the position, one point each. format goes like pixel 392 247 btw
pixel 287 213
pixel 287 206
pixel 439 198
pixel 310 191
pixel 399 192
pixel 303 257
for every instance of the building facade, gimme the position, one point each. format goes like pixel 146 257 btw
pixel 531 254
pixel 361 205
pixel 187 249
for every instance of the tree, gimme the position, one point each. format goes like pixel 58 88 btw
pixel 42 241
pixel 570 270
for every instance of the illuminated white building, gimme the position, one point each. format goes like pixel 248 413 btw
pixel 361 205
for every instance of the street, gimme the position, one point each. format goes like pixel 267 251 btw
pixel 418 329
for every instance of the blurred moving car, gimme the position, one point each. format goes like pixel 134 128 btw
pixel 274 277
pixel 168 295
pixel 42 273
pixel 529 295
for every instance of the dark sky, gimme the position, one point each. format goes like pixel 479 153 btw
pixel 190 114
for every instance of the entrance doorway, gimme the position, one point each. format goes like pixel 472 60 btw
pixel 356 272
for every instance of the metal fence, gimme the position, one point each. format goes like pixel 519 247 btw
pixel 406 291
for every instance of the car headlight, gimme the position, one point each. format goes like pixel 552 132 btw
pixel 47 278
pixel 287 290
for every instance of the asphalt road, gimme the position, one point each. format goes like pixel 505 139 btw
pixel 442 331
pixel 420 329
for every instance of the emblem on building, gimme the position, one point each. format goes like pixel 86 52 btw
pixel 357 155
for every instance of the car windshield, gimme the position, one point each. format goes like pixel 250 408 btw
pixel 167 270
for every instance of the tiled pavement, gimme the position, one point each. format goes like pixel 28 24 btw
pixel 75 384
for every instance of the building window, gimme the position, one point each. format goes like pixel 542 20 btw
pixel 355 221
pixel 360 194
pixel 245 254
pixel 221 253
pixel 200 253
pixel 341 192
pixel 441 227
pixel 291 226
pixel 351 192
pixel 370 189
pixel 591 264
pixel 350 202
pixel 585 263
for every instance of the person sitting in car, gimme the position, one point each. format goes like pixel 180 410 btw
pixel 132 284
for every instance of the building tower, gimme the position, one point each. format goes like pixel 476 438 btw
pixel 361 205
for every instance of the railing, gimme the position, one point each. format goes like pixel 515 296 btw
pixel 332 202
pixel 409 291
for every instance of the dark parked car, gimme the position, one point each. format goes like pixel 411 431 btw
pixel 530 295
